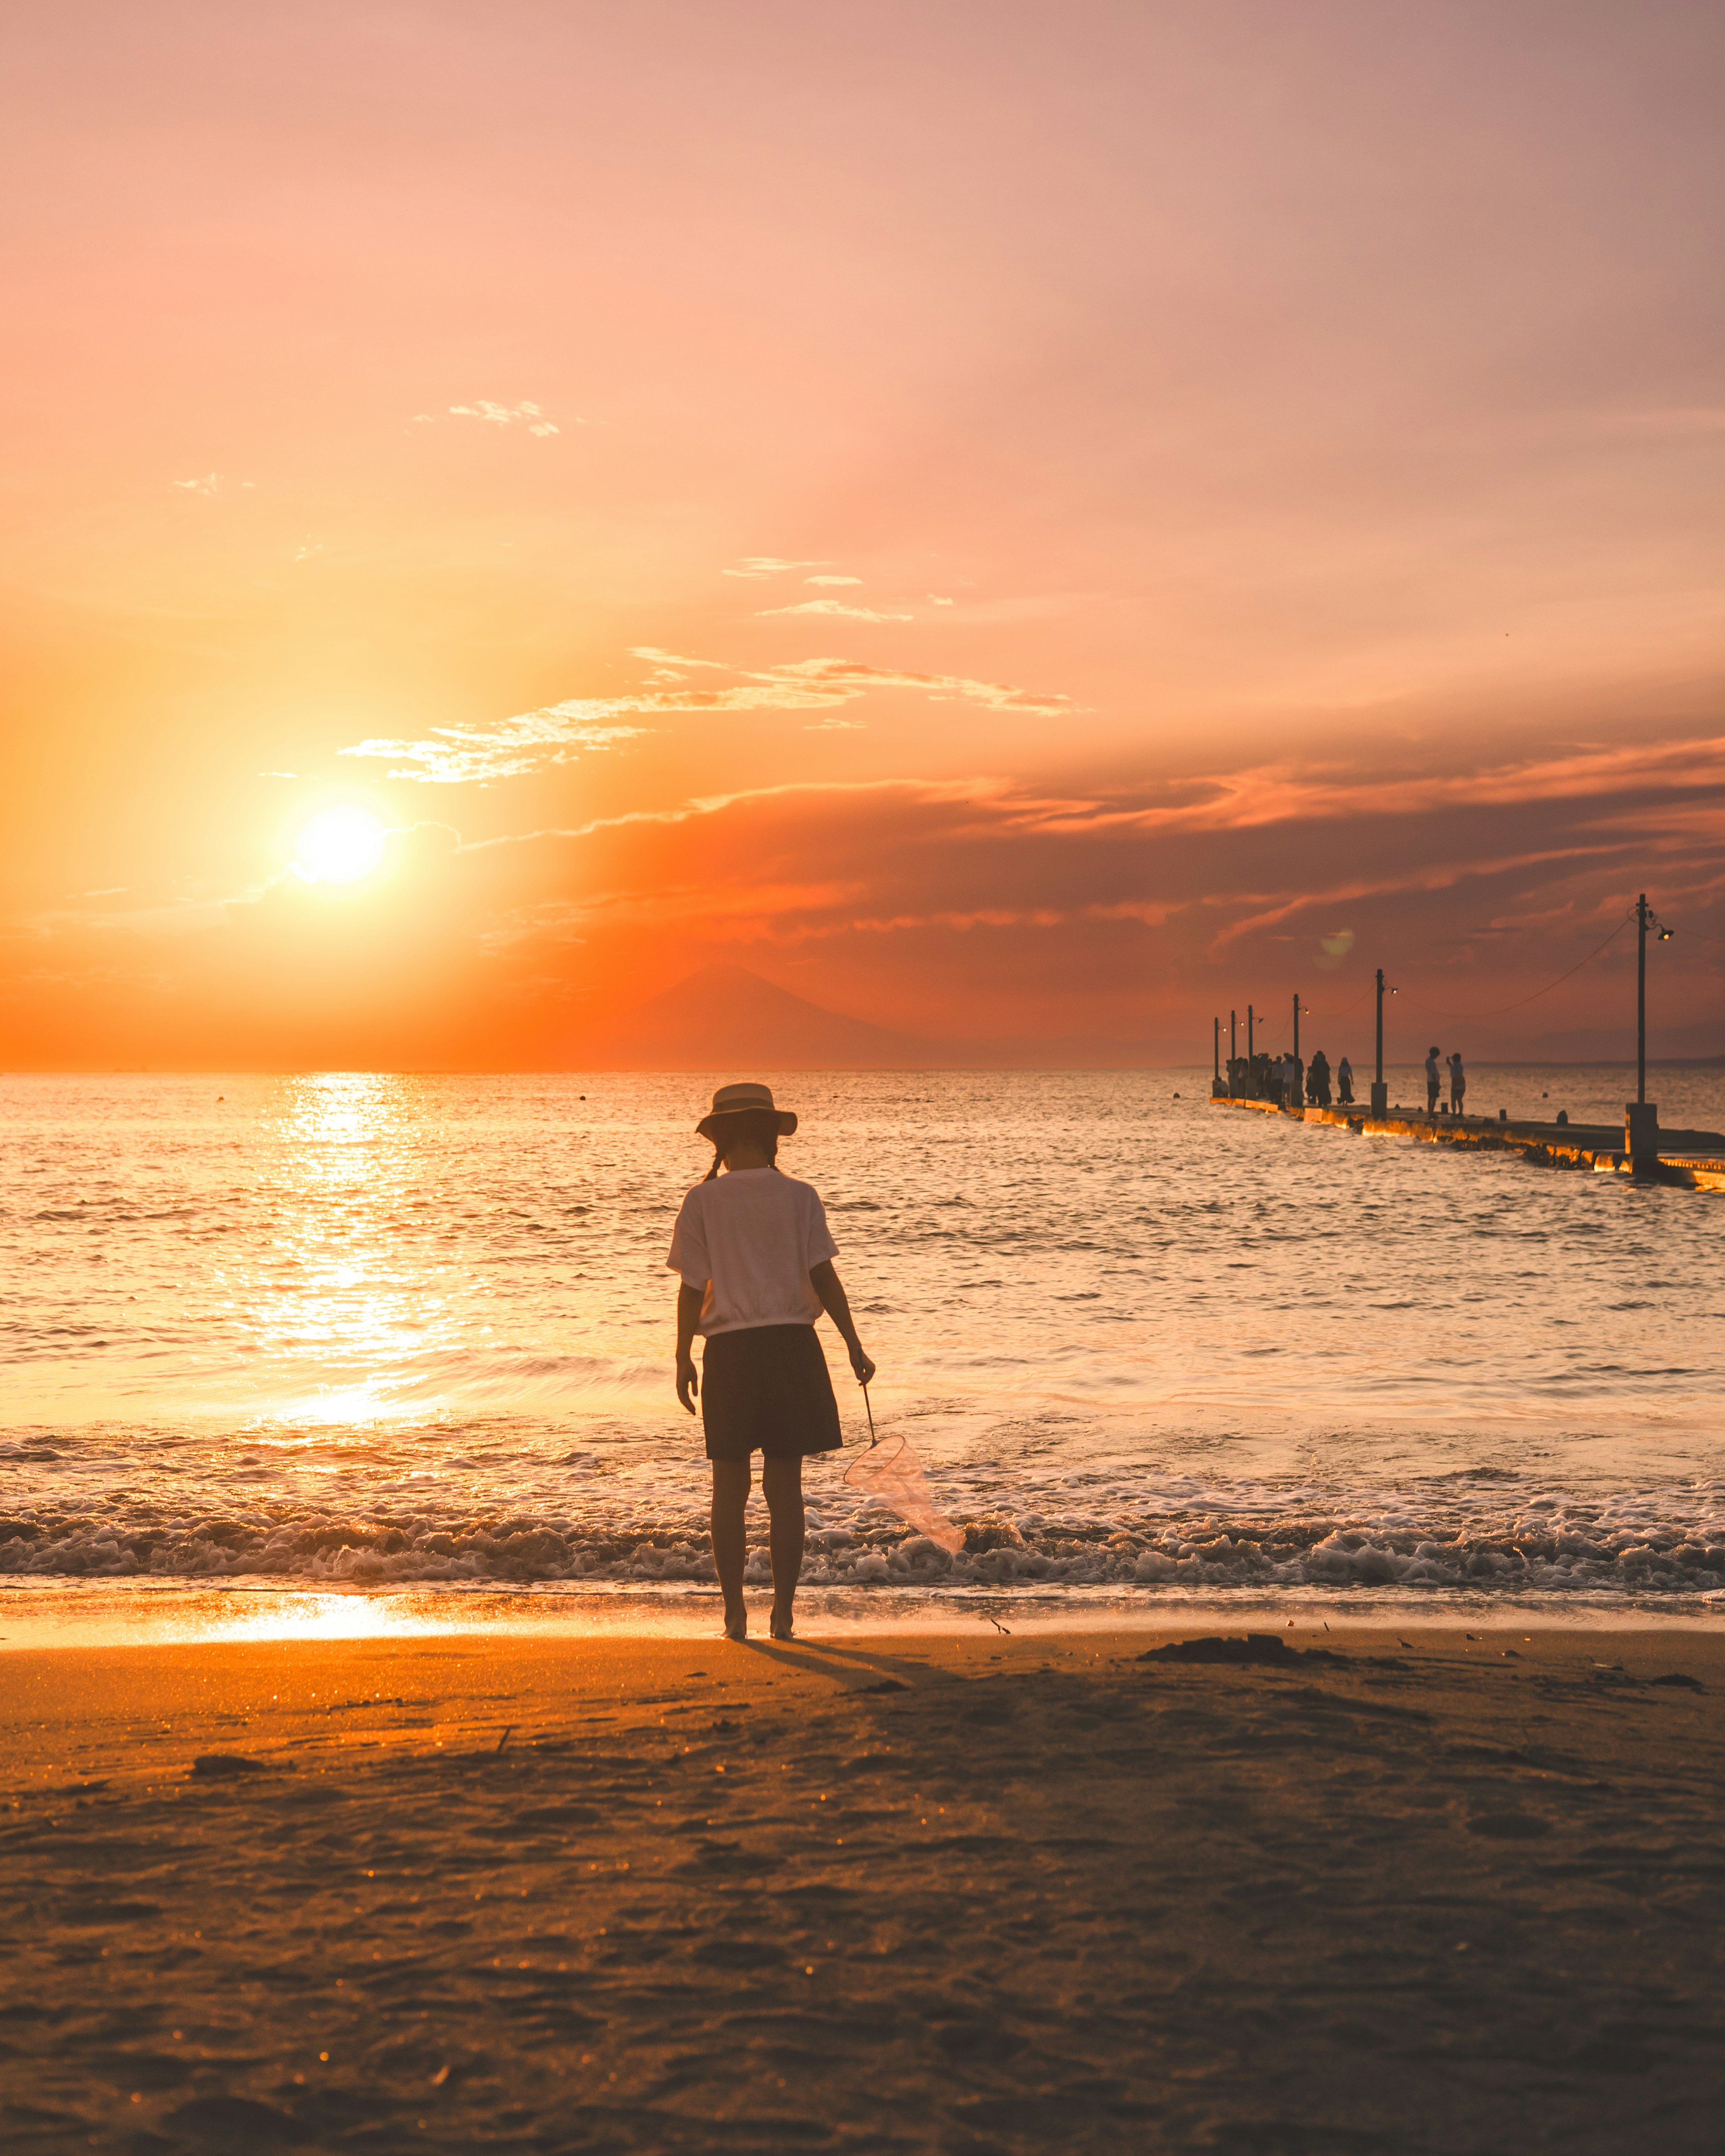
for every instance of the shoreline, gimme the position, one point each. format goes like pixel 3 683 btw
pixel 76 1615
pixel 1411 1890
pixel 133 1710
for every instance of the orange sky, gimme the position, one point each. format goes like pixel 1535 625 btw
pixel 1024 523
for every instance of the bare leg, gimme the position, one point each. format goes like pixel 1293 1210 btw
pixel 731 1495
pixel 782 1479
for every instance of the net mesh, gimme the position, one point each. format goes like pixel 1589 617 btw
pixel 890 1471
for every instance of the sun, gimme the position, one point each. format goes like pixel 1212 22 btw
pixel 340 845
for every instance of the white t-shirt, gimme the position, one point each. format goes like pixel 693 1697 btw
pixel 749 1238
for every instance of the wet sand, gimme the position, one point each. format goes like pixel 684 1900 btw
pixel 961 1895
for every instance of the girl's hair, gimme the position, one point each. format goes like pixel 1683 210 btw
pixel 757 1126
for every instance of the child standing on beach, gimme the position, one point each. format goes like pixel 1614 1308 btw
pixel 755 1257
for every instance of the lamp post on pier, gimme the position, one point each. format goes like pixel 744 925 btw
pixel 1641 1118
pixel 1215 1055
pixel 1250 1045
pixel 1233 1049
pixel 1380 1091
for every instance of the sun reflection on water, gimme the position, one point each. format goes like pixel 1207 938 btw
pixel 334 1294
pixel 327 1617
pixel 92 1616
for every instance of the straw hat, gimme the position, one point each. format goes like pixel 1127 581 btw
pixel 745 1100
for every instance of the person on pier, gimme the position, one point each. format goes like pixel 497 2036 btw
pixel 1344 1083
pixel 1317 1080
pixel 1434 1081
pixel 1458 1084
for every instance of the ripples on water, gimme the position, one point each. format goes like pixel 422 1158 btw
pixel 360 1330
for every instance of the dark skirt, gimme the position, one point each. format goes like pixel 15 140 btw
pixel 765 1388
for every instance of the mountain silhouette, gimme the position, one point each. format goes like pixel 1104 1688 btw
pixel 726 1018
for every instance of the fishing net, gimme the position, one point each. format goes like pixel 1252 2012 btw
pixel 890 1471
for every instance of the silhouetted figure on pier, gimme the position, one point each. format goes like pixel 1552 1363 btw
pixel 1434 1081
pixel 1458 1084
pixel 1344 1083
pixel 1317 1080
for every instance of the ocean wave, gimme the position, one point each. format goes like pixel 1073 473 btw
pixel 1541 1553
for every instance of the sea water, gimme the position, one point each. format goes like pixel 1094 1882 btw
pixel 363 1334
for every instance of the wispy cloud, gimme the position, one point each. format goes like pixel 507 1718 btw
pixel 672 658
pixel 832 580
pixel 476 756
pixel 514 747
pixel 211 484
pixel 1277 793
pixel 844 678
pixel 838 607
pixel 278 774
pixel 757 566
pixel 524 414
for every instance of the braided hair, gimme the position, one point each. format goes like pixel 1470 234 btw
pixel 756 1126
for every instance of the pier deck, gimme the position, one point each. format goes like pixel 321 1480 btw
pixel 1691 1160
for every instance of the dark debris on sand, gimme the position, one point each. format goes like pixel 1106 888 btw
pixel 1039 1908
pixel 1263 1648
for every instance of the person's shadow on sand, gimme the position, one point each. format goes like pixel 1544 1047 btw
pixel 845 1665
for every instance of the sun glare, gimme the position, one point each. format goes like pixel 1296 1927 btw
pixel 340 845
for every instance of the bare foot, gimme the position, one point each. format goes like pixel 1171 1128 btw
pixel 782 1627
pixel 736 1622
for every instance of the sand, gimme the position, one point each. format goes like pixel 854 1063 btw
pixel 920 1893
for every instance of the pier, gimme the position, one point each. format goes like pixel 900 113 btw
pixel 1689 1160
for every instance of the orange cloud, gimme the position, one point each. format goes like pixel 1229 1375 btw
pixel 970 908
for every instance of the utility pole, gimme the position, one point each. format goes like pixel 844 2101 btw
pixel 1232 1050
pixel 1215 1053
pixel 1250 1049
pixel 1380 1091
pixel 1296 1025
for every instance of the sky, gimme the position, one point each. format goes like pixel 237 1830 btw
pixel 1028 525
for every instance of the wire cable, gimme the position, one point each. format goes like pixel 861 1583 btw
pixel 1345 1009
pixel 1497 1010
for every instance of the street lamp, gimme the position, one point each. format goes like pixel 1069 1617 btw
pixel 1641 1118
pixel 1380 1091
